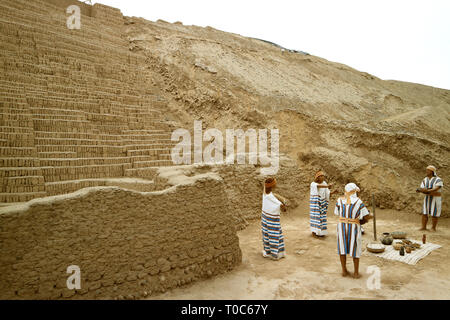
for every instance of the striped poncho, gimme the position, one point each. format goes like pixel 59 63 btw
pixel 349 234
pixel 432 204
pixel 318 206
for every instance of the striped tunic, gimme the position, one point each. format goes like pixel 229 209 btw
pixel 318 206
pixel 349 234
pixel 272 235
pixel 432 204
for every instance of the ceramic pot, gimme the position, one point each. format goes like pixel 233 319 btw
pixel 387 238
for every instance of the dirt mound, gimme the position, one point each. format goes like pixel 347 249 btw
pixel 381 134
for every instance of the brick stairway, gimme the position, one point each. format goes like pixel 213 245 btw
pixel 75 105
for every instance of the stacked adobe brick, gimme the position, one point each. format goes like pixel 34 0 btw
pixel 127 244
pixel 75 104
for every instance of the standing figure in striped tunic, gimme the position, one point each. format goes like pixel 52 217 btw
pixel 431 186
pixel 272 235
pixel 352 214
pixel 319 196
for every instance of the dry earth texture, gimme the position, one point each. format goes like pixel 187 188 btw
pixel 96 108
pixel 357 127
pixel 311 269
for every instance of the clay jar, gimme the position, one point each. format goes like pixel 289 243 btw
pixel 386 238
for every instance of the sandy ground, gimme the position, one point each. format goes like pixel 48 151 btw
pixel 311 269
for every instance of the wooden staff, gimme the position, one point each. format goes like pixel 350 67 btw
pixel 279 197
pixel 374 219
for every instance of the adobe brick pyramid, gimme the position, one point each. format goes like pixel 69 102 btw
pixel 77 107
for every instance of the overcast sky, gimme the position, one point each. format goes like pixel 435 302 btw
pixel 405 40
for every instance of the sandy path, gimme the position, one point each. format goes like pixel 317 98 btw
pixel 311 269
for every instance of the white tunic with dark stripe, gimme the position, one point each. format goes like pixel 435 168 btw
pixel 432 204
pixel 272 235
pixel 349 234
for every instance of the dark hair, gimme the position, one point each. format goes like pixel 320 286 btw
pixel 268 189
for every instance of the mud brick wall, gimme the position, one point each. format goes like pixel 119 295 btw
pixel 85 8
pixel 127 244
pixel 76 105
pixel 107 15
pixel 245 186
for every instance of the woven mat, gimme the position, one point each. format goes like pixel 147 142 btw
pixel 410 258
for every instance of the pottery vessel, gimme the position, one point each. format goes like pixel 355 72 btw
pixel 387 238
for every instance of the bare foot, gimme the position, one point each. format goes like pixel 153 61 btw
pixel 433 229
pixel 422 229
pixel 356 275
pixel 344 273
pixel 277 259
